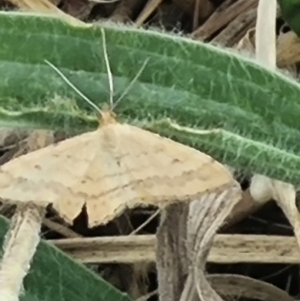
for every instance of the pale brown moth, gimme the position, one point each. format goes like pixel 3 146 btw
pixel 115 167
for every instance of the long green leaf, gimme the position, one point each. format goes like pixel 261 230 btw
pixel 54 276
pixel 196 85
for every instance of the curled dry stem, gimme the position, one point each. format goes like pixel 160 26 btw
pixel 19 247
pixel 171 254
pixel 184 239
pixel 205 217
pixel 238 286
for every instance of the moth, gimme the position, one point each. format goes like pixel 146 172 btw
pixel 115 167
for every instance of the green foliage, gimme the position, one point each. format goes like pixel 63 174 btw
pixel 196 85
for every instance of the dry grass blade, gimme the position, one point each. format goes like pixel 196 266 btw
pixel 265 32
pixel 222 16
pixel 235 30
pixel 149 8
pixel 61 229
pixel 47 7
pixel 18 251
pixel 226 249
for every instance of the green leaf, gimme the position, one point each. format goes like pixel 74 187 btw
pixel 290 10
pixel 55 276
pixel 196 85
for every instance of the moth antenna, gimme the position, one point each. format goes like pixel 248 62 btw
pixel 131 84
pixel 73 87
pixel 109 74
